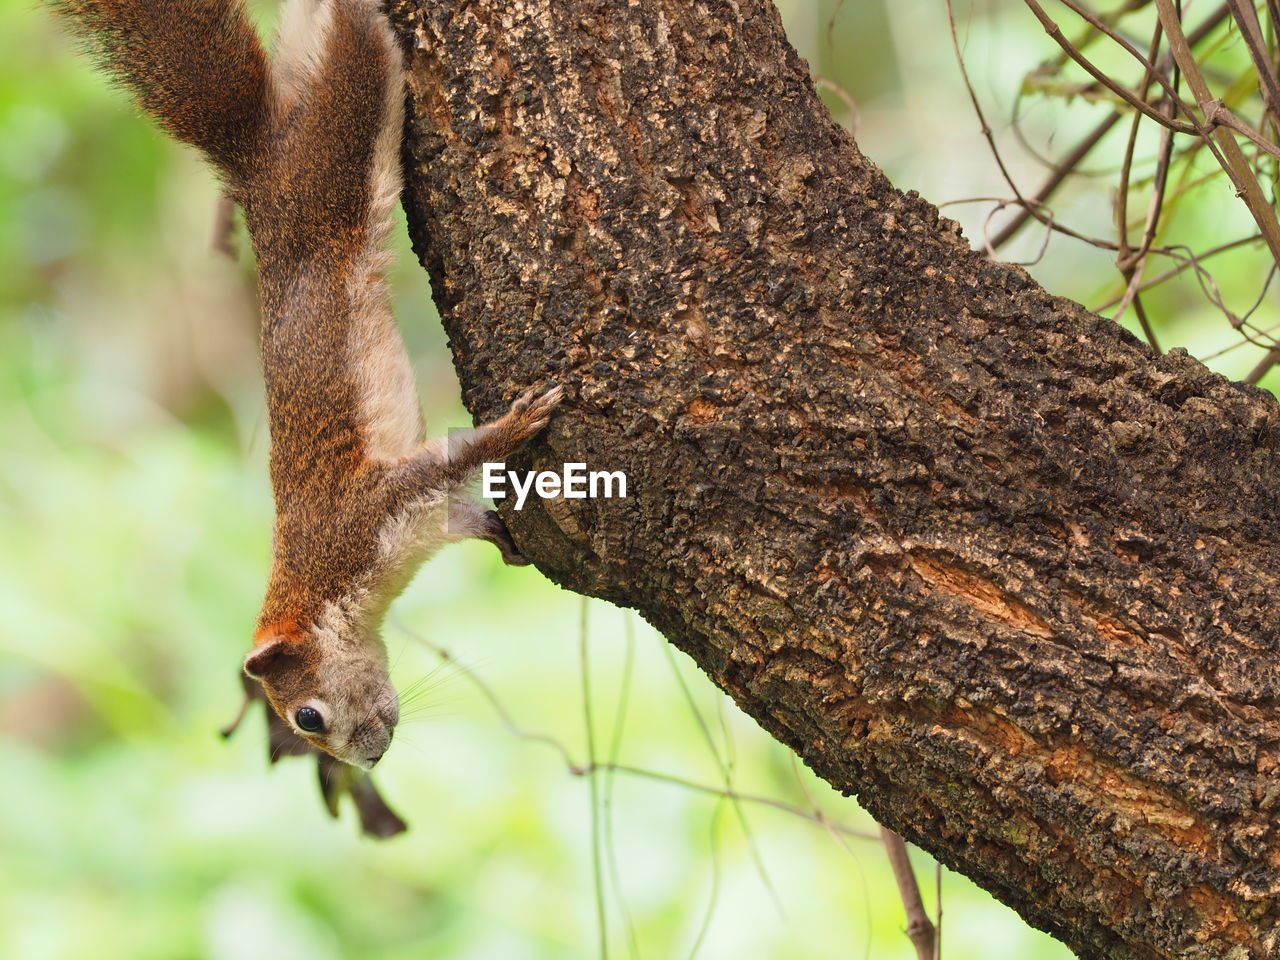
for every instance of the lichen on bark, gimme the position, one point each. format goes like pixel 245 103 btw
pixel 978 556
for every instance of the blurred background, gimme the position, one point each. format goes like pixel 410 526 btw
pixel 134 526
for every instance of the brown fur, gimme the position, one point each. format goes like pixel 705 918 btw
pixel 171 55
pixel 308 146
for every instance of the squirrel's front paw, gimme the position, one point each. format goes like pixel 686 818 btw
pixel 530 413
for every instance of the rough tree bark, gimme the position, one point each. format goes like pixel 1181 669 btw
pixel 978 556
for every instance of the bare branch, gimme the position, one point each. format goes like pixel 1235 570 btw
pixel 919 927
pixel 1233 162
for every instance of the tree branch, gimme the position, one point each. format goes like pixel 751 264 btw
pixel 977 555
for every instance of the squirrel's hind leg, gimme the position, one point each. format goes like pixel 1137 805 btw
pixel 467 519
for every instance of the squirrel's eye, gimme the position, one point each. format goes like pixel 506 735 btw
pixel 309 719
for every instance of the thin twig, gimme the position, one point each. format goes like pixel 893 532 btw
pixel 919 927
pixel 593 783
pixel 1023 202
pixel 615 750
pixel 1264 366
pixel 1074 157
pixel 815 816
pixel 937 910
pixel 1216 113
pixel 1247 17
pixel 1147 63
pixel 1055 33
pixel 1233 159
pixel 1218 354
pixel 713 899
pixel 1133 265
pixel 1188 261
pixel 1059 174
pixel 982 119
pixel 855 115
pixel 726 774
pixel 513 728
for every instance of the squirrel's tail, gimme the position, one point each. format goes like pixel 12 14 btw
pixel 195 65
pixel 308 144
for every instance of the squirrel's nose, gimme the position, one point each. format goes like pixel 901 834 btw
pixel 372 760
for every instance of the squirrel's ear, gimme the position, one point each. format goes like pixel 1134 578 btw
pixel 264 658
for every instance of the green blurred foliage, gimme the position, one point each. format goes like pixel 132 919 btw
pixel 134 528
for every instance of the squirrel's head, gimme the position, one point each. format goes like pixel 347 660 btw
pixel 331 690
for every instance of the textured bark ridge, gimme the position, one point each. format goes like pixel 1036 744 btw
pixel 977 555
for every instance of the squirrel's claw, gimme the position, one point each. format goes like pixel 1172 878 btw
pixel 531 412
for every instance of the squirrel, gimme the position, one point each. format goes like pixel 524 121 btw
pixel 308 144
pixel 335 779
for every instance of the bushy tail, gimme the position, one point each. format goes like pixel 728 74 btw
pixel 195 65
pixel 308 144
